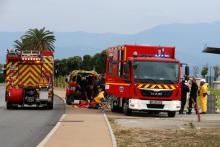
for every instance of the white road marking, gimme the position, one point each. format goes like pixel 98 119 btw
pixel 45 140
pixel 114 143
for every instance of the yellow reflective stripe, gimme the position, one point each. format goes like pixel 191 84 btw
pixel 173 87
pixel 147 85
pixel 166 86
pixel 160 87
pixel 30 81
pixel 140 85
pixel 153 86
pixel 48 67
pixel 119 84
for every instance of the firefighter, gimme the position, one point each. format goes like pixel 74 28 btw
pixel 193 94
pixel 203 95
pixel 184 90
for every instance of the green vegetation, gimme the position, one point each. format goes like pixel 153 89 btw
pixel 60 82
pixel 217 93
pixel 36 39
pixel 204 71
pixel 97 62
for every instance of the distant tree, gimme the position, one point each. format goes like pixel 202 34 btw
pixel 204 71
pixel 87 63
pixel 74 63
pixel 63 67
pixel 99 59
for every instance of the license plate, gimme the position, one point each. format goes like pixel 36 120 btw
pixel 155 102
pixel 43 95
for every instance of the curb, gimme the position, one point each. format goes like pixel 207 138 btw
pixel 114 143
pixel 45 140
pixel 63 99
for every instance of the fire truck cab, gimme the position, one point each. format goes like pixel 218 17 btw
pixel 29 78
pixel 143 78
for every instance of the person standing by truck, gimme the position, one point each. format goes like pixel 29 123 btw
pixel 184 90
pixel 193 94
pixel 203 95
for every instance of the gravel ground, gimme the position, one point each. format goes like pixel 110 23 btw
pixel 143 130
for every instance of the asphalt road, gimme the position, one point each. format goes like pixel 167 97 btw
pixel 26 127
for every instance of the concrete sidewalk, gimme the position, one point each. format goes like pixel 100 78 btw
pixel 80 128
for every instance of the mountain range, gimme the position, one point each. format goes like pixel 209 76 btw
pixel 189 39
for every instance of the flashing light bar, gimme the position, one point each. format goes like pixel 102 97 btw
pixel 31 59
pixel 162 55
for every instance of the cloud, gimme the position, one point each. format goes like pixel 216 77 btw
pixel 2 6
pixel 119 16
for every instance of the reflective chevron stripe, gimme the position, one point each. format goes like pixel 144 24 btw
pixel 11 73
pixel 147 85
pixel 47 67
pixel 140 85
pixel 29 74
pixel 156 86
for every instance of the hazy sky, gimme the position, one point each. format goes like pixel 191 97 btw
pixel 117 16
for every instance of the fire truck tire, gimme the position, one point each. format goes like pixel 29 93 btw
pixel 171 114
pixel 126 109
pixel 114 107
pixel 50 106
pixel 68 101
pixel 9 106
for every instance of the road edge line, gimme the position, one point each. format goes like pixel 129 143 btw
pixel 45 140
pixel 114 143
pixel 63 99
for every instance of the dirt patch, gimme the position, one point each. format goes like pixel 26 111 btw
pixel 139 137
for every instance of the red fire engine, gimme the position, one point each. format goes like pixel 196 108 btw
pixel 140 77
pixel 29 78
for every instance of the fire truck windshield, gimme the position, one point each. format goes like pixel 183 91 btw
pixel 156 72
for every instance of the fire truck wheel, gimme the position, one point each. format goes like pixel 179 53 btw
pixel 114 107
pixel 126 109
pixel 50 106
pixel 171 114
pixel 9 106
pixel 68 102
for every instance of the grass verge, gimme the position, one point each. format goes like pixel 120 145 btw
pixel 217 93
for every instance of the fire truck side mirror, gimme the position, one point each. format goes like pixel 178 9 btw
pixel 187 70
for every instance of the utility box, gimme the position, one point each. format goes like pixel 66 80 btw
pixel 211 104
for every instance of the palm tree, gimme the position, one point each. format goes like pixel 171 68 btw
pixel 40 39
pixel 23 44
pixel 36 39
pixel 19 45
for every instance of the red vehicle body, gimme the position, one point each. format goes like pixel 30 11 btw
pixel 140 77
pixel 29 78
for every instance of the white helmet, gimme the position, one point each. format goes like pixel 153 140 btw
pixel 203 80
